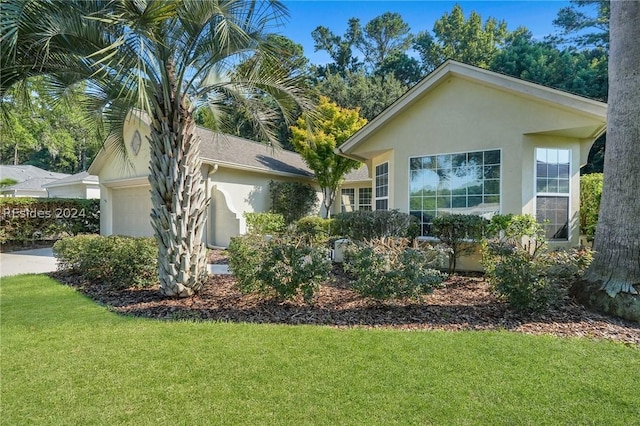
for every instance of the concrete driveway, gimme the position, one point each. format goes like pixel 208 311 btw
pixel 27 261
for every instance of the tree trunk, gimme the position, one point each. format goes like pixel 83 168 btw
pixel 179 199
pixel 616 264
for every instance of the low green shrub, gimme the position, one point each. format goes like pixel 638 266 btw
pixel 590 195
pixel 282 265
pixel 33 219
pixel 386 269
pixel 521 270
pixel 120 262
pixel 364 225
pixel 314 229
pixel 246 254
pixel 461 233
pixel 293 200
pixel 265 223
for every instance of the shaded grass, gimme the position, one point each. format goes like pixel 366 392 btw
pixel 65 360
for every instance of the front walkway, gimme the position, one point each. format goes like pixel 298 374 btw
pixel 36 261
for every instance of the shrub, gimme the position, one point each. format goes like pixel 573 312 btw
pixel 387 269
pixel 265 223
pixel 293 200
pixel 246 254
pixel 590 194
pixel 30 219
pixel 364 225
pixel 460 233
pixel 314 229
pixel 520 270
pixel 282 265
pixel 120 262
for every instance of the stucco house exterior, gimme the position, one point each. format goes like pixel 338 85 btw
pixel 467 140
pixel 463 140
pixel 237 173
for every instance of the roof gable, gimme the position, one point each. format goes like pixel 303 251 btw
pixel 523 89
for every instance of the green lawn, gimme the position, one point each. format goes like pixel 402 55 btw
pixel 65 360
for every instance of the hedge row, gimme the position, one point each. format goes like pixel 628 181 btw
pixel 32 219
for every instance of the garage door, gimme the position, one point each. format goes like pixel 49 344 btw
pixel 131 210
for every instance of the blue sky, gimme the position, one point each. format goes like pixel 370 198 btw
pixel 306 15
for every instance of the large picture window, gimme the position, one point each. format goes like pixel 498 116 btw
pixel 553 173
pixel 463 183
pixel 382 186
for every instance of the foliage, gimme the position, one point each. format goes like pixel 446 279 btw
pixel 246 253
pixel 120 262
pixel 364 225
pixel 386 268
pixel 582 28
pixel 30 219
pixel 42 131
pixel 286 266
pixel 590 194
pixel 317 144
pixel 520 270
pixel 314 229
pixel 265 223
pixel 469 41
pixel 371 94
pixel 292 200
pixel 583 72
pixel 460 233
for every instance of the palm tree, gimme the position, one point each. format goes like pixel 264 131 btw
pixel 163 58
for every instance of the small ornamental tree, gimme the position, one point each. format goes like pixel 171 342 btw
pixel 460 233
pixel 316 143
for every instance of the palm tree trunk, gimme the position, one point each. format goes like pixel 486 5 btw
pixel 616 264
pixel 179 200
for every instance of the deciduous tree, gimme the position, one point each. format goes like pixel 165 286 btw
pixel 317 142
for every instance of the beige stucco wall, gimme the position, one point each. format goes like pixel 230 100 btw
pixel 126 202
pixel 459 115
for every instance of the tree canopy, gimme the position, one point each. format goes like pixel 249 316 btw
pixel 316 143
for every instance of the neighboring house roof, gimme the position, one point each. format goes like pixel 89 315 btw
pixel 579 104
pixel 30 178
pixel 78 178
pixel 26 172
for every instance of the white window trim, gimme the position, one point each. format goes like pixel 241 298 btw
pixel 375 198
pixel 569 195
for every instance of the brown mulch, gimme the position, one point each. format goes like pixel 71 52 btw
pixel 463 303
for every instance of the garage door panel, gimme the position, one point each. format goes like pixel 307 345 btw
pixel 131 211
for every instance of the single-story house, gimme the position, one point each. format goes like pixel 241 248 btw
pixel 30 180
pixel 79 185
pixel 463 140
pixel 471 141
pixel 237 173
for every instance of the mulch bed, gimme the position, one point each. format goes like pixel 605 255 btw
pixel 463 303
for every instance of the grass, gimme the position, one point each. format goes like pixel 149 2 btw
pixel 65 360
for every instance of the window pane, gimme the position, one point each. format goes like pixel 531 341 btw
pixel 492 157
pixel 382 204
pixel 455 183
pixel 553 214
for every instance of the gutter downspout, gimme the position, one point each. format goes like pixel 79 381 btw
pixel 212 169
